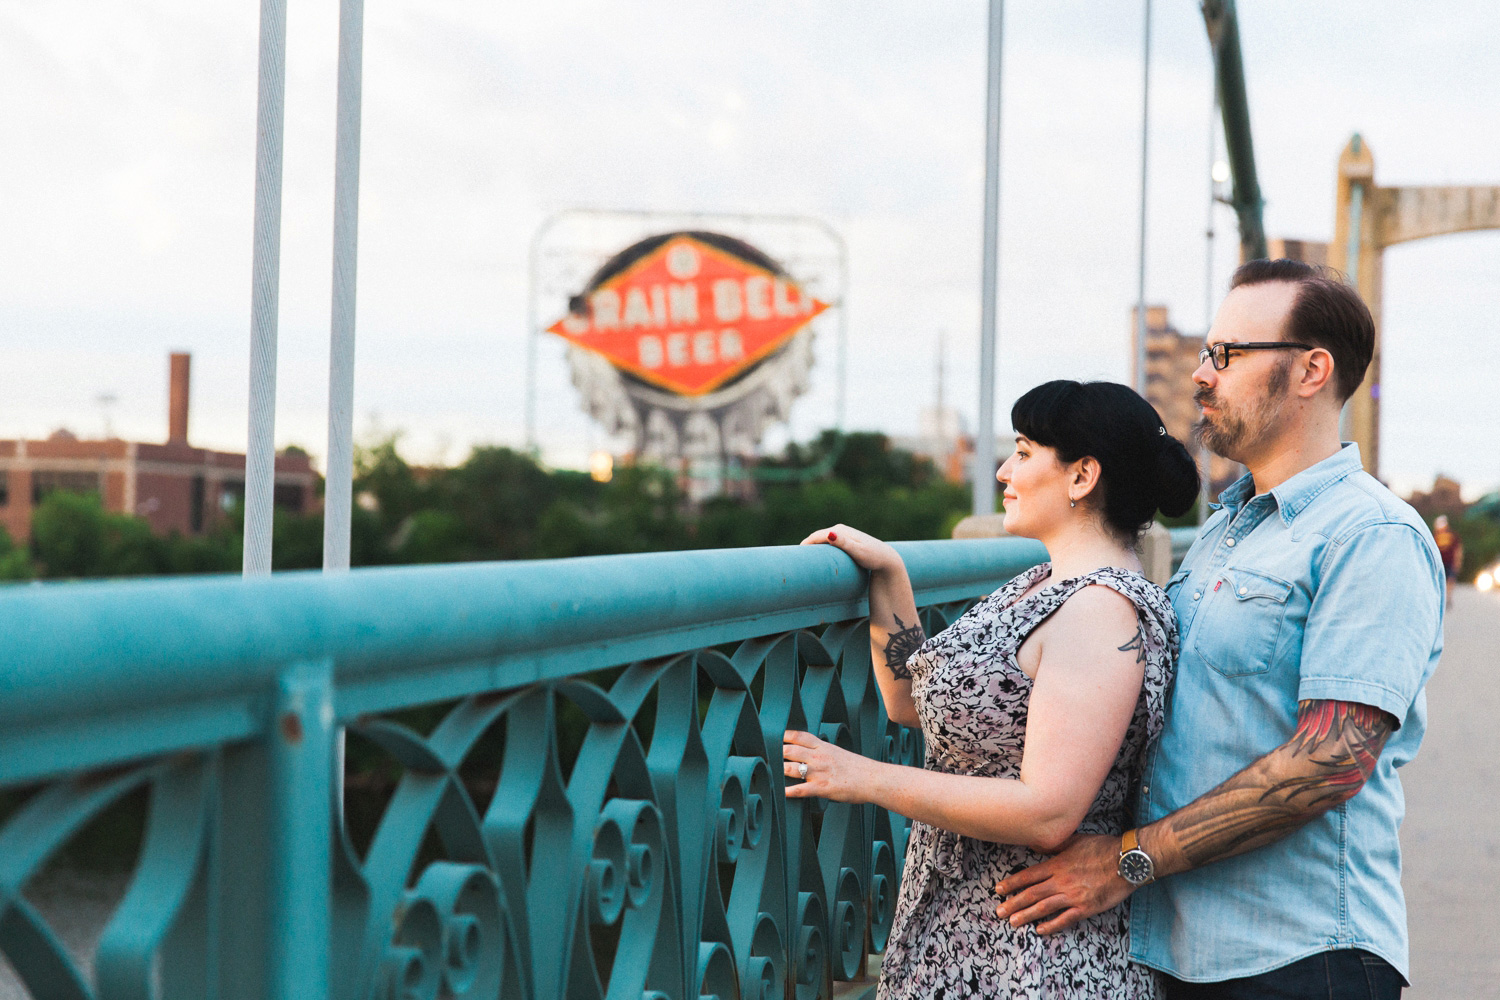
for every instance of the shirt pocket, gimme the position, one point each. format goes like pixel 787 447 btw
pixel 1237 633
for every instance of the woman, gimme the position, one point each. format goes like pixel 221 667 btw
pixel 1036 705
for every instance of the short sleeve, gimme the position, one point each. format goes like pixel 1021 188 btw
pixel 1375 625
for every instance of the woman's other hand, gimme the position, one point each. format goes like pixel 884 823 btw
pixel 866 550
pixel 832 772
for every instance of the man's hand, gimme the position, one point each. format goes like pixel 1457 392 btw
pixel 1081 881
pixel 1324 764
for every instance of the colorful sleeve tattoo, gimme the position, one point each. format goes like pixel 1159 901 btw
pixel 1325 763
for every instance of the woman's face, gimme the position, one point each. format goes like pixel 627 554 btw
pixel 1036 489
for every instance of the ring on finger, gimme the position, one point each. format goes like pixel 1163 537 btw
pixel 802 770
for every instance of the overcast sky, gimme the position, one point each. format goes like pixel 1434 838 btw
pixel 126 188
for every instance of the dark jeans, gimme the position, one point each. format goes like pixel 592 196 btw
pixel 1349 974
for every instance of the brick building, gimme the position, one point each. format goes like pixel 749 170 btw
pixel 172 486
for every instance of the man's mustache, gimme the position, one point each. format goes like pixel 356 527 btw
pixel 1204 396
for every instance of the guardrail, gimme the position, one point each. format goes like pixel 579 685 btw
pixel 590 804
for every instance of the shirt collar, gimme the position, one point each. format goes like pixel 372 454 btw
pixel 1300 490
pixel 1297 492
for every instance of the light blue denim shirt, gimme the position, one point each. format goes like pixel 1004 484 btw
pixel 1327 587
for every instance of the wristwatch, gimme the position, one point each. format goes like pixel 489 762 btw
pixel 1136 866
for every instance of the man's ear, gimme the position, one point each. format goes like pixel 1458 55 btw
pixel 1316 371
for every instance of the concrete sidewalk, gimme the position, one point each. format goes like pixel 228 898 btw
pixel 1451 838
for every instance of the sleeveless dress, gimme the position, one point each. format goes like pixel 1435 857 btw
pixel 971 696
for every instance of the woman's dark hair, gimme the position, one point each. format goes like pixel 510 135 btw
pixel 1142 468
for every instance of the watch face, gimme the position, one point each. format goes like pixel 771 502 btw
pixel 1136 867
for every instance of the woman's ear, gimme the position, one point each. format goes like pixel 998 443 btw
pixel 1084 477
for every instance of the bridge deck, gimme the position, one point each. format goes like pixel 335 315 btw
pixel 1451 840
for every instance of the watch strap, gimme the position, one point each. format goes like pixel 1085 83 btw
pixel 1130 841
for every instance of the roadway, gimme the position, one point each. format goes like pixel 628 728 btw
pixel 1451 838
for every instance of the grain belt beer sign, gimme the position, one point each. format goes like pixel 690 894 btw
pixel 688 312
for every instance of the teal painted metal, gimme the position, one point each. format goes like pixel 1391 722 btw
pixel 1220 19
pixel 597 811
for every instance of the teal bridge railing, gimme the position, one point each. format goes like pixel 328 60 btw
pixel 584 794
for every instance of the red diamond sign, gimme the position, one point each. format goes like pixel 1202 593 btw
pixel 688 316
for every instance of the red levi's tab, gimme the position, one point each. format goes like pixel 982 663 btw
pixel 689 317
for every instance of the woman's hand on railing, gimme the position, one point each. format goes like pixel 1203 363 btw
pixel 832 772
pixel 865 549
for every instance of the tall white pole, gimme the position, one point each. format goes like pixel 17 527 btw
pixel 339 488
pixel 984 433
pixel 1140 289
pixel 260 447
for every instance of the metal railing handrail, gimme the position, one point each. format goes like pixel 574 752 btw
pixel 160 665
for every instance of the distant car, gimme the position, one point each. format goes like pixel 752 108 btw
pixel 1489 577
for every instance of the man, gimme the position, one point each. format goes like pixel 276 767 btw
pixel 1310 616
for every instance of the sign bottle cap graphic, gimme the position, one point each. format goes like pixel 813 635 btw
pixel 688 312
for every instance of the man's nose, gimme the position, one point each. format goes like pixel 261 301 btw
pixel 1206 374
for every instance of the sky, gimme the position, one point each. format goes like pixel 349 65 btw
pixel 127 182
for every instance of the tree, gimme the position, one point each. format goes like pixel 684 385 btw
pixel 15 564
pixel 73 536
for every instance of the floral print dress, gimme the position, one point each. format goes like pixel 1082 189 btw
pixel 946 940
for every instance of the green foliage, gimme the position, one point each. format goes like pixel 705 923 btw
pixel 500 504
pixel 1480 534
pixel 15 563
pixel 73 536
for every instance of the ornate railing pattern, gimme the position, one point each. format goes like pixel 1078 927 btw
pixel 589 806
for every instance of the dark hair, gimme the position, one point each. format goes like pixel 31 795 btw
pixel 1142 468
pixel 1327 313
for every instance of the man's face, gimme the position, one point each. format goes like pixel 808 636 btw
pixel 1240 405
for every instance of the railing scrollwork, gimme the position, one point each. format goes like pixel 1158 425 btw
pixel 590 804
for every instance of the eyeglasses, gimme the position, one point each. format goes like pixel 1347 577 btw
pixel 1220 352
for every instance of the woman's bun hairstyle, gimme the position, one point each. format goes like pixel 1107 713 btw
pixel 1143 469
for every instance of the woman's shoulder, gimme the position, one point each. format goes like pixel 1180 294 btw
pixel 1114 586
pixel 1129 584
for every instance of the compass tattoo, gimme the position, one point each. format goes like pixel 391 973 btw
pixel 902 643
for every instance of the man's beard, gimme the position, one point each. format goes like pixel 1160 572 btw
pixel 1229 431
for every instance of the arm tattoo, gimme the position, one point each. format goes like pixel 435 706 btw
pixel 1137 643
pixel 1326 762
pixel 902 643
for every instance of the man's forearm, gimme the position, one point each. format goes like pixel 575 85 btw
pixel 1327 760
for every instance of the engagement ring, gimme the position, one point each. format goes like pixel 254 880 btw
pixel 802 771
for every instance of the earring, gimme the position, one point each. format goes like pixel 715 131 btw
pixel 1072 503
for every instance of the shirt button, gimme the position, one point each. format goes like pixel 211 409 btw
pixel 1244 591
pixel 1146 789
pixel 1197 594
pixel 1229 542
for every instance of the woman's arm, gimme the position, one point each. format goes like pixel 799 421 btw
pixel 1085 692
pixel 895 632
